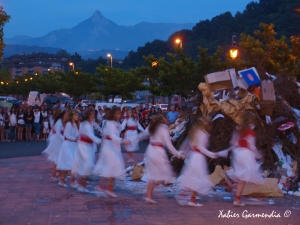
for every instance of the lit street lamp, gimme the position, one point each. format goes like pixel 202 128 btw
pixel 72 64
pixel 178 41
pixel 233 50
pixel 110 56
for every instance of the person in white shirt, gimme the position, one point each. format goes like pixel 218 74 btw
pixel 68 148
pixel 131 125
pixel 85 153
pixel 194 175
pixel 13 124
pixel 46 126
pixel 20 123
pixel 158 167
pixel 37 122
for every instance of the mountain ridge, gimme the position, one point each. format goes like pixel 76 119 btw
pixel 99 32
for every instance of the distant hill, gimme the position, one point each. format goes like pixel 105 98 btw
pixel 219 30
pixel 98 32
pixel 16 40
pixel 18 49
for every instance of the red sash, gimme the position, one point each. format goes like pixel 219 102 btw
pixel 242 141
pixel 86 139
pixel 195 149
pixel 131 128
pixel 107 138
pixel 157 144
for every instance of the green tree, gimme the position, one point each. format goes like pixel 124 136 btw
pixel 269 54
pixel 4 18
pixel 77 83
pixel 116 81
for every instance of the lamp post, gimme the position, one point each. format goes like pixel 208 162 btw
pixel 110 56
pixel 72 64
pixel 233 50
pixel 179 41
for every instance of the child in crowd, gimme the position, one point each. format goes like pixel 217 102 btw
pixel 46 127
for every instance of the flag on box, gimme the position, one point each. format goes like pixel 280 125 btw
pixel 250 76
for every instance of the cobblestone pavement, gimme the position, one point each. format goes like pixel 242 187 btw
pixel 28 197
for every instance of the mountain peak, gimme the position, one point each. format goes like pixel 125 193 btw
pixel 97 13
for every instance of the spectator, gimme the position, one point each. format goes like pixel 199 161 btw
pixel 37 102
pixel 68 106
pixel 152 112
pixel 45 105
pixel 24 103
pixel 146 121
pixel 6 124
pixel 1 125
pixel 159 111
pixel 79 101
pixel 141 108
pixel 172 116
pixel 58 104
pixel 12 124
pixel 46 128
pixel 146 110
pixel 100 115
pixel 20 123
pixel 28 118
pixel 44 112
pixel 37 123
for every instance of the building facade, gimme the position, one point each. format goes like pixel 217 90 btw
pixel 36 62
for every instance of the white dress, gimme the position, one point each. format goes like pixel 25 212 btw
pixel 243 162
pixel 68 148
pixel 110 163
pixel 132 131
pixel 194 175
pixel 157 164
pixel 85 153
pixel 56 141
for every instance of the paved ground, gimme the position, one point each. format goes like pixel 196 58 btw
pixel 28 197
pixel 32 148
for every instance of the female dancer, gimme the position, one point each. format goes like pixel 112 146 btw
pixel 56 141
pixel 111 164
pixel 132 125
pixel 68 148
pixel 158 167
pixel 84 155
pixel 244 168
pixel 194 175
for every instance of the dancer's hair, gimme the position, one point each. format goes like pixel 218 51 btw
pixel 112 112
pixel 59 115
pixel 87 114
pixel 155 121
pixel 70 119
pixel 199 123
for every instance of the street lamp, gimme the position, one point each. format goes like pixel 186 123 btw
pixel 233 50
pixel 155 63
pixel 72 64
pixel 178 41
pixel 110 56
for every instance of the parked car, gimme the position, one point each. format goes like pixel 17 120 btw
pixel 51 101
pixel 5 98
pixel 92 101
pixel 164 107
pixel 15 102
pixel 128 101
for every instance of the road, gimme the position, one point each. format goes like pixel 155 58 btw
pixel 33 148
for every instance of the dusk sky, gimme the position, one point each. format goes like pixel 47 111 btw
pixel 38 17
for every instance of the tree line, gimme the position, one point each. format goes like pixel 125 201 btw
pixel 175 73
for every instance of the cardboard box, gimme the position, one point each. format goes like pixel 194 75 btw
pixel 267 91
pixel 219 80
pixel 233 77
pixel 266 108
pixel 242 83
pixel 250 76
